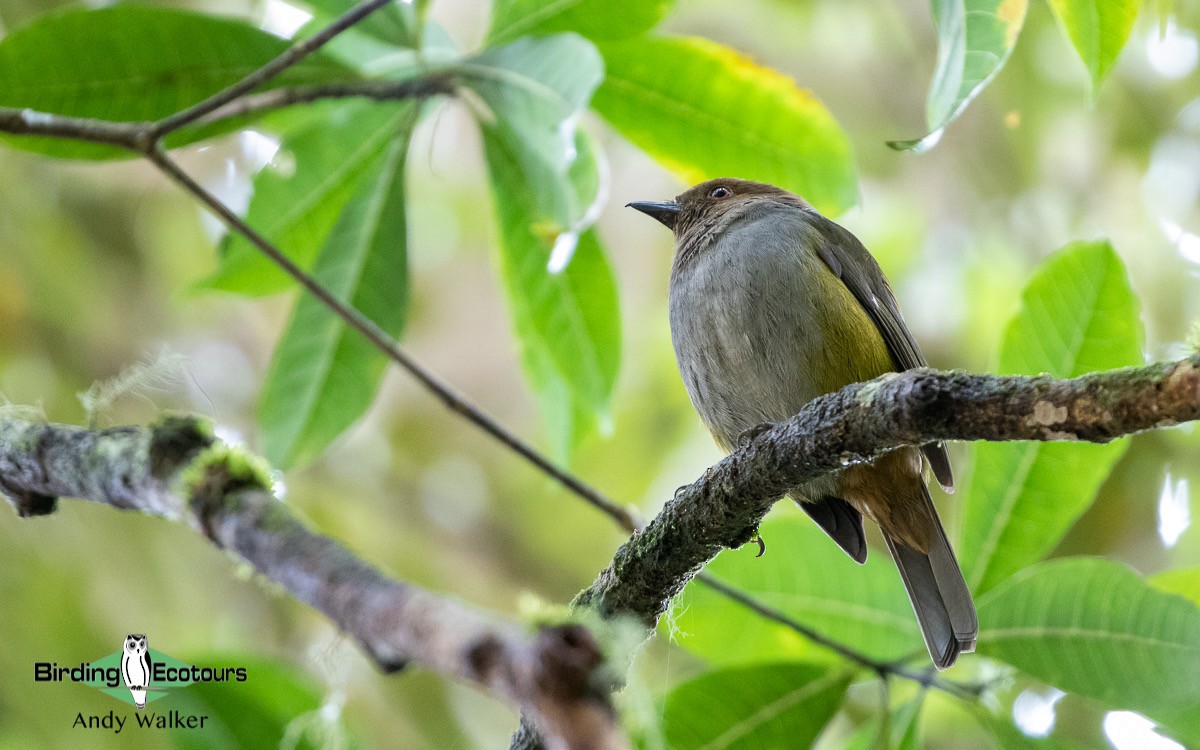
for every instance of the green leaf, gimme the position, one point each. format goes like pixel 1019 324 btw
pixel 596 19
pixel 533 92
pixel 1093 627
pixel 132 63
pixel 295 207
pixel 808 577
pixel 563 302
pixel 1185 582
pixel 1098 29
pixel 753 707
pixel 325 375
pixel 903 727
pixel 705 111
pixel 1078 314
pixel 975 38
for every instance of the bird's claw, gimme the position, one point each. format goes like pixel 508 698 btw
pixel 749 434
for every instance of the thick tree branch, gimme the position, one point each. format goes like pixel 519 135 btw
pixel 176 469
pixel 723 508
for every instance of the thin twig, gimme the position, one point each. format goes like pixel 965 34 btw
pixel 412 88
pixel 882 668
pixel 19 121
pixel 378 338
pixel 290 57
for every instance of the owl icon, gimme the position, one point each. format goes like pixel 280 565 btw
pixel 135 667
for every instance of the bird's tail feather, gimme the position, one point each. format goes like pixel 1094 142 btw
pixel 938 593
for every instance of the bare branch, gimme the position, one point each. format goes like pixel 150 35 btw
pixel 379 338
pixel 272 99
pixel 176 469
pixel 19 121
pixel 292 56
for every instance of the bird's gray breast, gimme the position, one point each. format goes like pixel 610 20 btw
pixel 743 316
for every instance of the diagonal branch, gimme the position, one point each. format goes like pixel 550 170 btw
pixel 176 469
pixel 723 508
pixel 860 422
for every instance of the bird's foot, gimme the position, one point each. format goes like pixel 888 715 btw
pixel 762 544
pixel 748 435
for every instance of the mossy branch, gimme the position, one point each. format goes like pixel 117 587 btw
pixel 723 508
pixel 177 469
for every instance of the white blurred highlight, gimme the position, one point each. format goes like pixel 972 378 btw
pixel 1129 731
pixel 1173 52
pixel 1034 712
pixel 282 19
pixel 1174 511
pixel 1186 243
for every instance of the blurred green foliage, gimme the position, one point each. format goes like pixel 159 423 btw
pixel 563 112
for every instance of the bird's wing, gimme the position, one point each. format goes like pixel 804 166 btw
pixel 850 262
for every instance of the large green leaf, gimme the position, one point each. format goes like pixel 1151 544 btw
pixel 534 91
pixel 975 38
pixel 595 19
pixel 808 577
pixel 563 299
pixel 705 111
pixel 131 63
pixel 325 375
pixel 753 707
pixel 1078 314
pixel 1098 29
pixel 295 207
pixel 1093 627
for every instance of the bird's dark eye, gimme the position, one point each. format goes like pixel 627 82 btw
pixel 720 192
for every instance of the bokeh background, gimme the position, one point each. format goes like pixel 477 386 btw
pixel 98 265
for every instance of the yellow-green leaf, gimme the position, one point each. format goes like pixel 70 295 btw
pixel 1093 627
pixel 1098 29
pixel 705 111
pixel 1078 314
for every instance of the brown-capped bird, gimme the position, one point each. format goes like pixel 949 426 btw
pixel 772 305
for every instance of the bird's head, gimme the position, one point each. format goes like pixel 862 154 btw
pixel 713 204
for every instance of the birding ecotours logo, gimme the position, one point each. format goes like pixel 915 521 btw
pixel 136 673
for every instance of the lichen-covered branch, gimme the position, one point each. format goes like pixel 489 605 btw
pixel 724 507
pixel 176 469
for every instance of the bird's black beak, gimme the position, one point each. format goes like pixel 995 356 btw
pixel 665 211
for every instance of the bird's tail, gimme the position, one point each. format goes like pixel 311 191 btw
pixel 938 593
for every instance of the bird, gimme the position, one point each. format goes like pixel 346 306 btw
pixel 135 667
pixel 771 305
